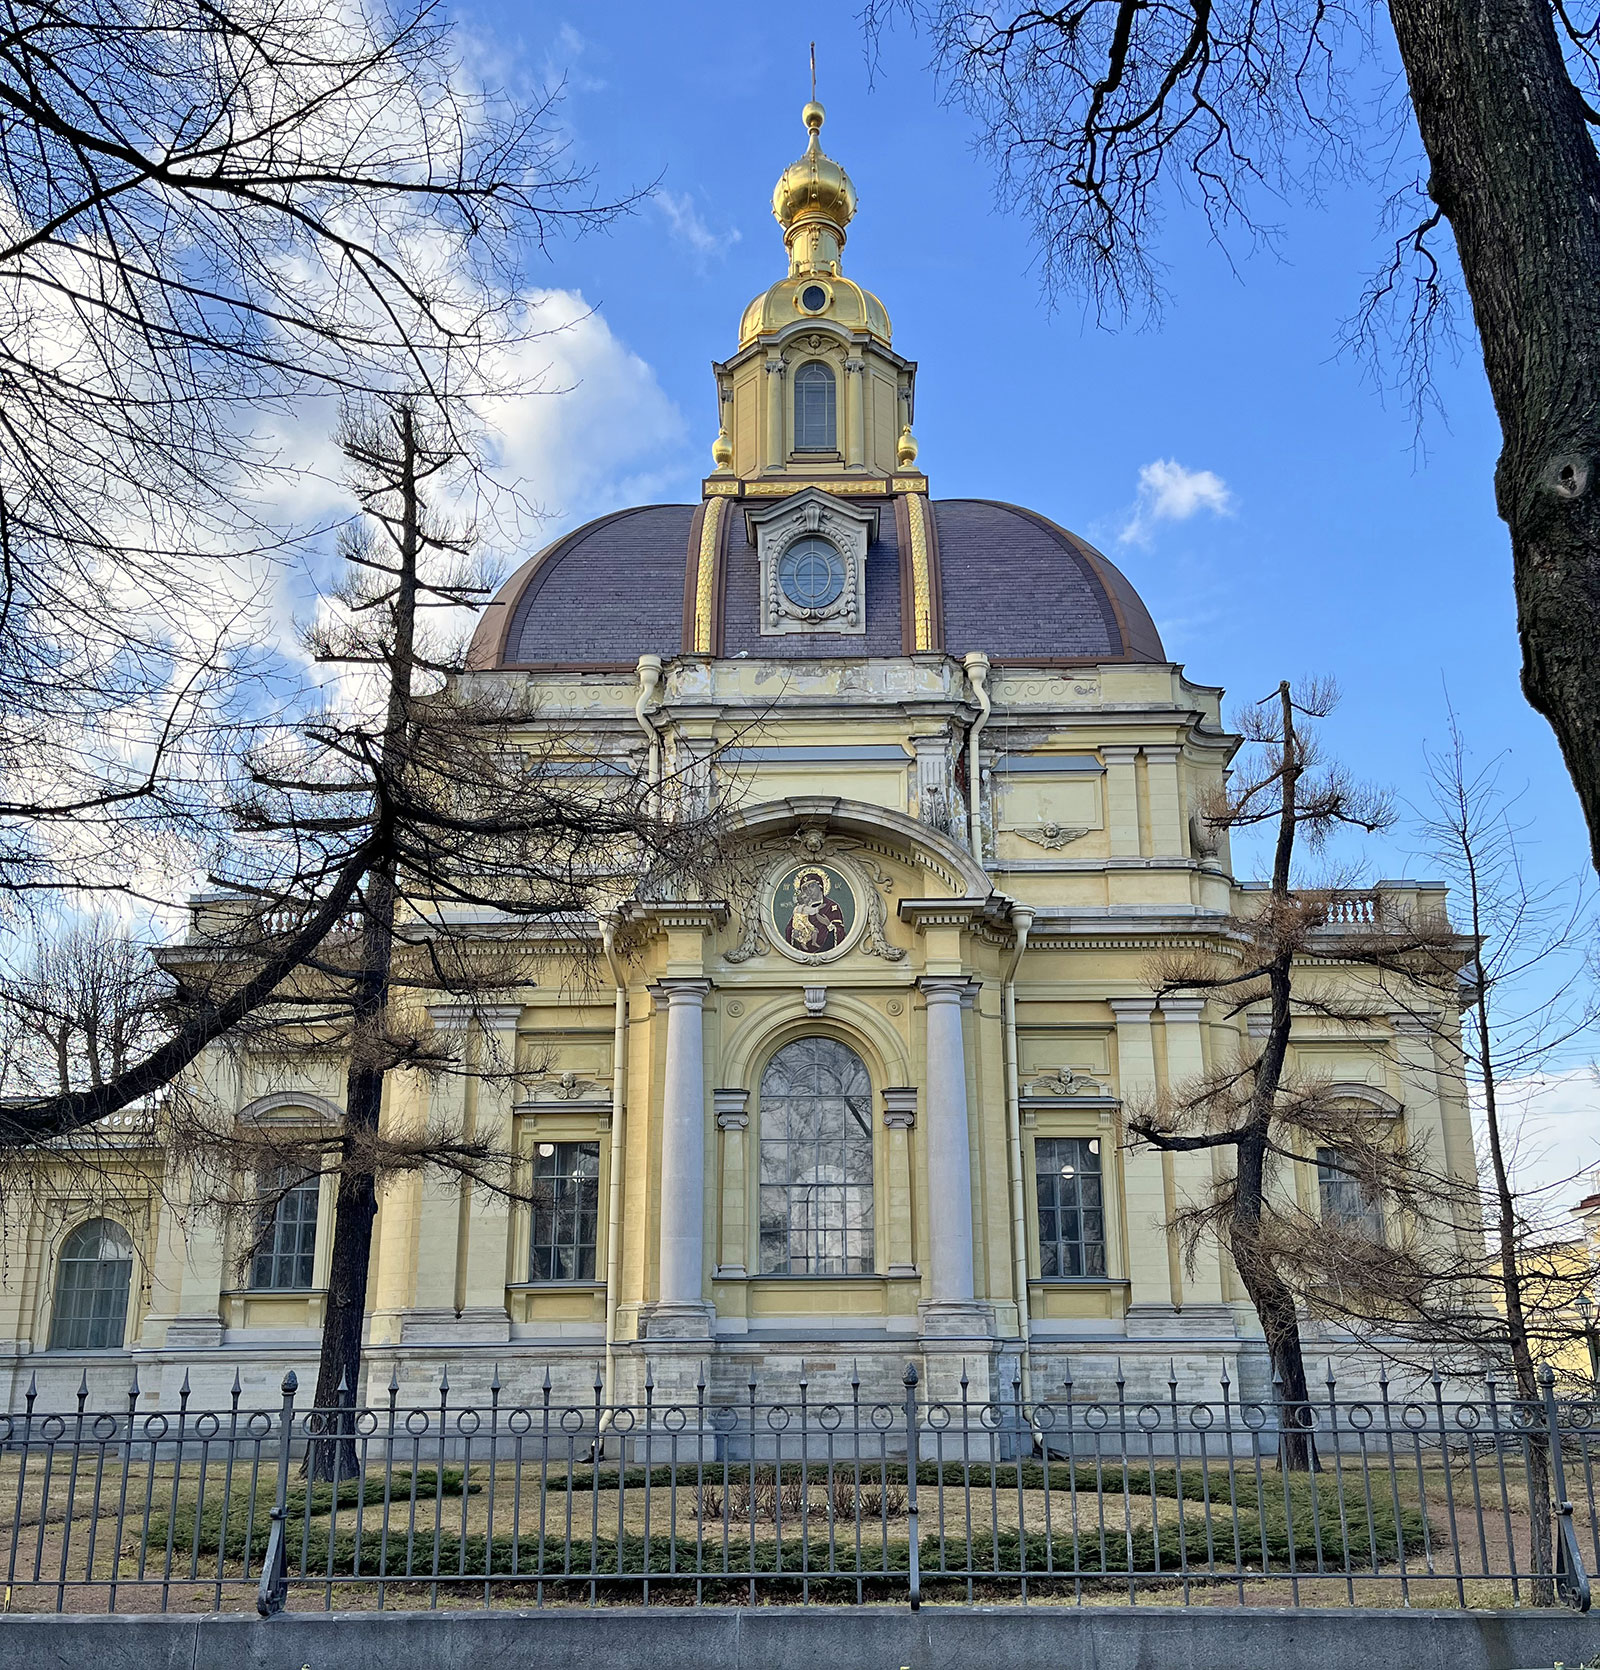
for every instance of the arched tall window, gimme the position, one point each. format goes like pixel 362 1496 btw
pixel 816 1161
pixel 815 426
pixel 94 1271
pixel 286 1236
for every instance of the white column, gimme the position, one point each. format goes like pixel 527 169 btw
pixel 775 414
pixel 683 1141
pixel 949 1154
pixel 1122 800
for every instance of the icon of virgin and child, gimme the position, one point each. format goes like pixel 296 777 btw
pixel 816 920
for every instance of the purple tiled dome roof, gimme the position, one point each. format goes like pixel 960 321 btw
pixel 1010 582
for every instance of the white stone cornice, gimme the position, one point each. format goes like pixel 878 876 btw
pixel 492 1017
pixel 1183 1008
pixel 1132 1009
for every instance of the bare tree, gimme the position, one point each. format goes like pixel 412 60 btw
pixel 1101 115
pixel 209 219
pixel 1254 1108
pixel 480 824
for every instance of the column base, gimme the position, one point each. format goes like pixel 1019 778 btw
pixel 671 1320
pixel 952 1320
pixel 476 1325
pixel 193 1333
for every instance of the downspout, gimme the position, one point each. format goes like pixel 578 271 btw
pixel 649 673
pixel 1021 922
pixel 619 1094
pixel 977 669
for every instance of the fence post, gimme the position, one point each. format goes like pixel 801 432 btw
pixel 274 1590
pixel 1572 1581
pixel 915 1572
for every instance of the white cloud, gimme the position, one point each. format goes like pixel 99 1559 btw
pixel 1170 493
pixel 686 226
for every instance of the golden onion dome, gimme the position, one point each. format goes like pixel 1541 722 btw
pixel 814 189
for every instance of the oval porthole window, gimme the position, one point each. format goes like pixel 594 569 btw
pixel 813 298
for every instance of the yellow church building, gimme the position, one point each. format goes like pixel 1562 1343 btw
pixel 871 1110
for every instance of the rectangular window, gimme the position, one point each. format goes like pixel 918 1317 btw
pixel 1072 1219
pixel 1344 1201
pixel 286 1238
pixel 566 1207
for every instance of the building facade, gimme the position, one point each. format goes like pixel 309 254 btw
pixel 870 1109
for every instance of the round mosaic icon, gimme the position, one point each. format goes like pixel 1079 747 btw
pixel 813 910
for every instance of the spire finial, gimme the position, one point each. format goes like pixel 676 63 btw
pixel 813 72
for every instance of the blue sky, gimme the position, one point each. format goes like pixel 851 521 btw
pixel 1341 549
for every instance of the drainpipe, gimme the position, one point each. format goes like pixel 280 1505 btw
pixel 1021 922
pixel 649 672
pixel 977 670
pixel 619 1093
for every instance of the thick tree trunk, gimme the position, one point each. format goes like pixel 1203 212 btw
pixel 1515 171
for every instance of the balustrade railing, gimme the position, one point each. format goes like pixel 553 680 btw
pixel 1421 1496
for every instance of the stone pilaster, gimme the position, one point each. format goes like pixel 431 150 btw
pixel 899 1119
pixel 1192 1173
pixel 1122 800
pixel 1168 836
pixel 733 1121
pixel 1145 1176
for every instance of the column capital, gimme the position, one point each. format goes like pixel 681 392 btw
pixel 1132 1009
pixel 1407 1025
pixel 1163 752
pixel 492 1017
pixel 732 1108
pixel 947 988
pixel 1119 753
pixel 680 989
pixel 900 1106
pixel 1183 1008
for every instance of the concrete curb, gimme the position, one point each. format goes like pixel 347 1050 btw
pixel 838 1638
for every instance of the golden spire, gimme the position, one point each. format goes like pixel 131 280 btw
pixel 813 200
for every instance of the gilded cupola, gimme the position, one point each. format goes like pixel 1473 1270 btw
pixel 814 202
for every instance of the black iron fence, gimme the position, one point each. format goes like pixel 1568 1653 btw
pixel 1421 1496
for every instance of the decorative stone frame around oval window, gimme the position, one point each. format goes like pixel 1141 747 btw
pixel 812 513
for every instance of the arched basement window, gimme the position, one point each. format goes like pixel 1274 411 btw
pixel 94 1271
pixel 816 1161
pixel 815 428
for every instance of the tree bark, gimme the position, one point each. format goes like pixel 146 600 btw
pixel 1515 171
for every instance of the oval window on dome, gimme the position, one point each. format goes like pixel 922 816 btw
pixel 811 573
pixel 813 298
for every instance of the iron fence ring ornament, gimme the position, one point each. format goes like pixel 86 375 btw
pixel 366 1422
pixel 882 1416
pixel 724 1419
pixel 1468 1417
pixel 830 1417
pixel 938 1416
pixel 572 1420
pixel 1359 1416
pixel 1202 1417
pixel 257 1424
pixel 520 1421
pixel 156 1426
pixel 1044 1417
pixel 1097 1417
pixel 468 1415
pixel 778 1417
pixel 52 1427
pixel 992 1417
pixel 207 1425
pixel 675 1418
pixel 418 1421
pixel 623 1420
pixel 104 1426
pixel 1153 1412
pixel 1254 1415
pixel 1414 1417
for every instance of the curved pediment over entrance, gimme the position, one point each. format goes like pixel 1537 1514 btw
pixel 817 879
